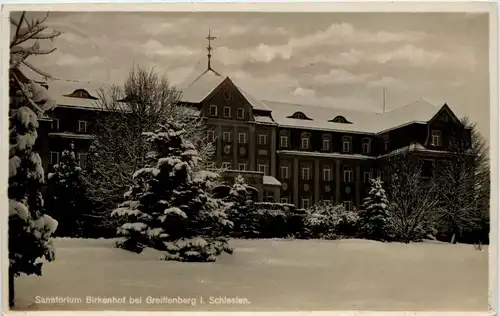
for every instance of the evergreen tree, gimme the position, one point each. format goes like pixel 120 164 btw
pixel 168 207
pixel 65 197
pixel 374 214
pixel 241 210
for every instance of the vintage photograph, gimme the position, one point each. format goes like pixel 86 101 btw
pixel 249 161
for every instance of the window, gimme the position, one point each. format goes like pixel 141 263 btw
pixel 347 205
pixel 226 137
pixel 305 203
pixel 366 146
pixel 82 158
pixel 346 144
pixel 284 200
pixel 213 110
pixel 305 173
pixel 347 175
pixel 284 141
pixel 54 125
pixel 242 138
pixel 227 165
pixel 284 172
pixel 262 139
pixel 82 126
pixel 340 119
pixel 226 94
pixel 242 166
pixel 367 176
pixel 240 113
pixel 305 142
pixel 436 138
pixel 452 142
pixel 326 144
pixel 227 111
pixel 263 169
pixel 211 136
pixel 54 157
pixel 386 142
pixel 327 174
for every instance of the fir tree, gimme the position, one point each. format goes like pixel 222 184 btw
pixel 66 200
pixel 168 207
pixel 374 214
pixel 241 210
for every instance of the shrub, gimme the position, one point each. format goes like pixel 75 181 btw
pixel 327 221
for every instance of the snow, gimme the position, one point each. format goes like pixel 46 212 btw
pixel 19 209
pixel 14 164
pixel 25 141
pixel 175 211
pixel 274 275
pixel 27 117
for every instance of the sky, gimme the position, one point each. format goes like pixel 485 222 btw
pixel 328 59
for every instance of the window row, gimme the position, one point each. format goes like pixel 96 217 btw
pixel 306 203
pixel 54 158
pixel 327 143
pixel 242 166
pixel 327 174
pixel 54 126
pixel 214 111
pixel 242 137
pixel 436 139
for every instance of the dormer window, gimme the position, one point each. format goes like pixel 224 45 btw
pixel 340 119
pixel 346 144
pixel 366 145
pixel 436 138
pixel 304 141
pixel 81 94
pixel 213 110
pixel 299 116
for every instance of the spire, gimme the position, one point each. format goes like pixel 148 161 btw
pixel 210 38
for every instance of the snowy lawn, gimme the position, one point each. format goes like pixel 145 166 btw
pixel 270 274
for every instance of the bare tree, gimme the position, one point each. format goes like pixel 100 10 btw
pixel 30 230
pixel 412 197
pixel 464 187
pixel 145 100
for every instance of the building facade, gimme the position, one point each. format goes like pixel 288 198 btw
pixel 288 153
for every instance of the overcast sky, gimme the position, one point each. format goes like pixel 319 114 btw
pixel 328 59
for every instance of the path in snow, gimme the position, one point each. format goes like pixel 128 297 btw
pixel 272 275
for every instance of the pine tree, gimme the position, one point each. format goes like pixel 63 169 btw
pixel 168 207
pixel 30 230
pixel 66 199
pixel 241 210
pixel 374 214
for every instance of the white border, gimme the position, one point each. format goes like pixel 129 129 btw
pixel 261 6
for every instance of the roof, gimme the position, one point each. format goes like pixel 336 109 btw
pixel 272 181
pixel 195 91
pixel 58 90
pixel 200 88
pixel 361 122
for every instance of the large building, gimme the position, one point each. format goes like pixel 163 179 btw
pixel 290 153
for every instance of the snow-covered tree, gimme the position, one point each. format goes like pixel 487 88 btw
pixel 168 207
pixel 374 214
pixel 66 198
pixel 30 230
pixel 145 99
pixel 241 210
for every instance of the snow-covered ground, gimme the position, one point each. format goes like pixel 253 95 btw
pixel 267 275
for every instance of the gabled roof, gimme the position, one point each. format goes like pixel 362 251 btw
pixel 196 91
